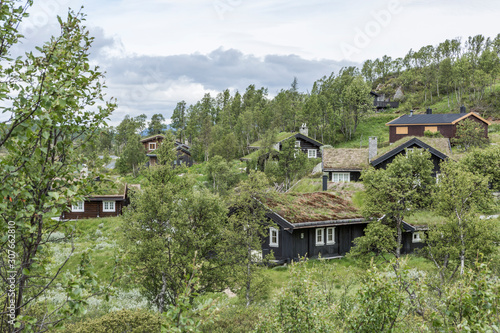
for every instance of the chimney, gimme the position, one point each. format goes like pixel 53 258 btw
pixel 463 109
pixel 303 129
pixel 429 111
pixel 372 148
pixel 411 113
pixel 325 181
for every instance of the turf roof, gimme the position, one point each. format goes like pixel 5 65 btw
pixel 312 207
pixel 345 159
pixel 440 144
pixel 279 137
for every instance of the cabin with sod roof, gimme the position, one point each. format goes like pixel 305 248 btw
pixel 306 144
pixel 346 164
pixel 108 200
pixel 311 225
pixel 321 224
pixel 446 124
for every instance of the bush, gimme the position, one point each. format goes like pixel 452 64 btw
pixel 137 321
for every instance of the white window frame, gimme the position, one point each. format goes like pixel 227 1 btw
pixel 341 177
pixel 312 153
pixel 415 237
pixel 274 233
pixel 297 144
pixel 107 203
pixel 79 207
pixel 330 240
pixel 152 146
pixel 320 236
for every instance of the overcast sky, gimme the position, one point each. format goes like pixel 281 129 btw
pixel 159 52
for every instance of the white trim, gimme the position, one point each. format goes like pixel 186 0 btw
pixel 78 207
pixel 341 177
pixel 297 144
pixel 152 146
pixel 274 237
pixel 330 240
pixel 312 153
pixel 320 236
pixel 111 206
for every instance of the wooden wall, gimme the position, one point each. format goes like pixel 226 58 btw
pixel 93 209
pixel 447 131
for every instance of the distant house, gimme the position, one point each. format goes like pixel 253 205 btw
pixel 183 154
pixel 306 144
pixel 380 102
pixel 109 201
pixel 151 143
pixel 446 124
pixel 346 165
pixel 319 224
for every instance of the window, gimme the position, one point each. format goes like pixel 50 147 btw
pixel 432 129
pixel 401 130
pixel 297 144
pixel 152 145
pixel 273 237
pixel 416 237
pixel 320 236
pixel 330 235
pixel 108 206
pixel 78 207
pixel 341 177
pixel 311 153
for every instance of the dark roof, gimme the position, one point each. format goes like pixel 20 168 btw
pixel 407 144
pixel 433 119
pixel 285 136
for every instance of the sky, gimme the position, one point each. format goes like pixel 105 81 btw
pixel 157 53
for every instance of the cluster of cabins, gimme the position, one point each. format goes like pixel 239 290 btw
pixel 322 223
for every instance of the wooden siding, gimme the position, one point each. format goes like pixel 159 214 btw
pixel 408 245
pixel 158 141
pixel 302 242
pixel 305 145
pixel 93 209
pixel 447 130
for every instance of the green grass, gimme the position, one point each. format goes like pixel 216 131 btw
pixel 424 217
pixel 101 236
pixel 373 125
pixel 307 185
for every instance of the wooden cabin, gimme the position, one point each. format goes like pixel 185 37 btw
pixel 183 155
pixel 99 204
pixel 151 143
pixel 346 165
pixel 417 124
pixel 306 144
pixel 320 224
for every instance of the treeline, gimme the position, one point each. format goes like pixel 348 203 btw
pixel 461 71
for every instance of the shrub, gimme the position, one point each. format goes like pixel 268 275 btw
pixel 137 321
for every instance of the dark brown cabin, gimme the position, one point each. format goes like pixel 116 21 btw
pixel 97 206
pixel 417 124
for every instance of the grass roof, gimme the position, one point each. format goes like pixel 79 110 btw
pixel 312 207
pixel 345 158
pixel 109 187
pixel 279 137
pixel 441 144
